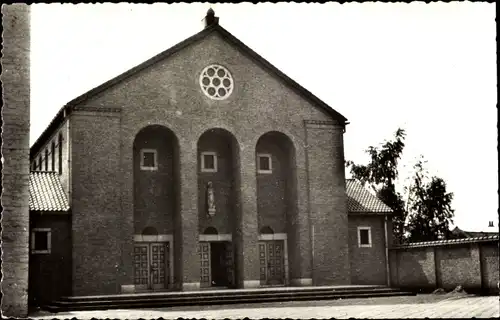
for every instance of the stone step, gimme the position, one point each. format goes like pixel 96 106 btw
pixel 257 297
pixel 225 292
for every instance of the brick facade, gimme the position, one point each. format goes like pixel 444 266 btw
pixel 262 101
pixel 15 152
pixel 368 265
pixel 161 106
pixel 48 269
pixel 471 263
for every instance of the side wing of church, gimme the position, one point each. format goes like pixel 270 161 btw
pixel 204 166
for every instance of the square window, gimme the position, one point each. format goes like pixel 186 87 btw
pixel 40 240
pixel 264 163
pixel 149 160
pixel 208 162
pixel 364 237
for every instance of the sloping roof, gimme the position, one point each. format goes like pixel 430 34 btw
pixel 448 242
pixel 471 234
pixel 215 27
pixel 360 200
pixel 46 192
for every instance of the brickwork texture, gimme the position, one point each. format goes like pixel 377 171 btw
pixel 15 152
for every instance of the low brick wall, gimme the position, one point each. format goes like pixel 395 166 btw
pixel 471 263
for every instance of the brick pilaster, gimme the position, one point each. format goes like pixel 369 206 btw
pixel 188 217
pixel 248 252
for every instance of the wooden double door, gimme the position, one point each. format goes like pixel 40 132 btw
pixel 216 264
pixel 271 256
pixel 151 265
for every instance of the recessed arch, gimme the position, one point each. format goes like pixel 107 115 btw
pixel 266 230
pixel 149 231
pixel 282 139
pixel 211 230
pixel 156 176
pixel 275 157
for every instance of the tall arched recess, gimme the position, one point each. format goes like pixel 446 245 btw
pixel 156 204
pixel 277 206
pixel 218 205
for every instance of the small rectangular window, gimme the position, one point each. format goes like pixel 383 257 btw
pixel 264 163
pixel 208 162
pixel 149 160
pixel 41 240
pixel 364 237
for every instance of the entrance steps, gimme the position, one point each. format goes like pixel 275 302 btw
pixel 224 296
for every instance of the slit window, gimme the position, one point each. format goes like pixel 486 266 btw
pixel 264 163
pixel 208 162
pixel 364 237
pixel 53 156
pixel 40 240
pixel 60 154
pixel 46 160
pixel 149 159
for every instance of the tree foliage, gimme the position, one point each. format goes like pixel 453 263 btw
pixel 428 214
pixel 381 174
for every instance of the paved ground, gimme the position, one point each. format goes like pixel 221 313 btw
pixel 420 306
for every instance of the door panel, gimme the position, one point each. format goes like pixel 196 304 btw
pixel 141 266
pixel 157 265
pixel 205 271
pixel 271 262
pixel 229 264
pixel 151 265
pixel 275 262
pixel 263 262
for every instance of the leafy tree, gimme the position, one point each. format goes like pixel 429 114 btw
pixel 427 214
pixel 430 212
pixel 381 174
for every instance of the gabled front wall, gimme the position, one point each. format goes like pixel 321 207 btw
pixel 169 94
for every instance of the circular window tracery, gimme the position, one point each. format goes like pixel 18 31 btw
pixel 216 82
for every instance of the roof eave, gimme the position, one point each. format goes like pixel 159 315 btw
pixel 380 213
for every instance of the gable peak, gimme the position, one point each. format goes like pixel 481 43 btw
pixel 210 19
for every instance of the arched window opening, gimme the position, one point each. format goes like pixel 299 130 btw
pixel 210 230
pixel 266 230
pixel 150 231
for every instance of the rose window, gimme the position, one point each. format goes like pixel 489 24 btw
pixel 216 82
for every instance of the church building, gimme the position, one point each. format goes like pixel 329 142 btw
pixel 202 167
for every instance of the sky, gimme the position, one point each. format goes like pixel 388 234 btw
pixel 427 68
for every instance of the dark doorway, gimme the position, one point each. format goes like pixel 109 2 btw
pixel 218 264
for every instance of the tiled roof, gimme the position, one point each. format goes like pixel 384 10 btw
pixel 360 200
pixel 448 242
pixel 46 192
pixel 471 234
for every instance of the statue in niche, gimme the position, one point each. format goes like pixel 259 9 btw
pixel 210 199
